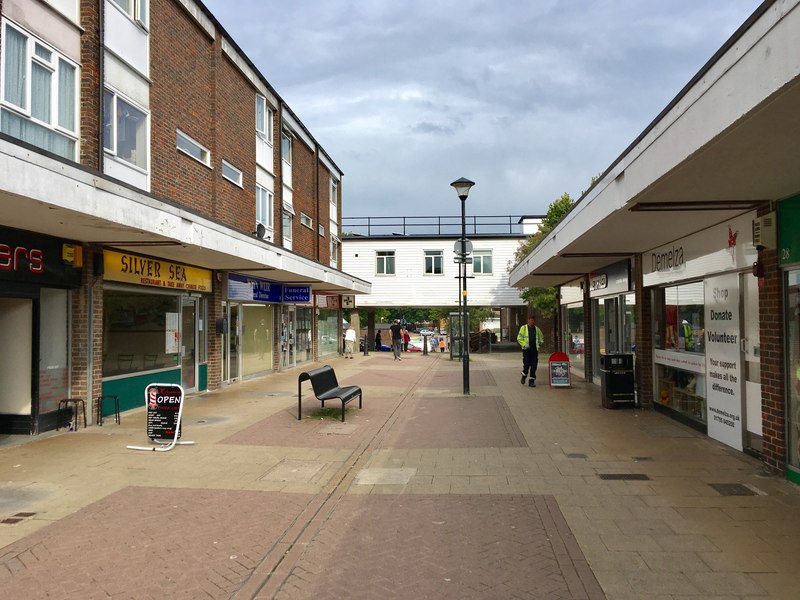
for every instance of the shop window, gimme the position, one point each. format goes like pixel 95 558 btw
pixel 680 314
pixel 140 332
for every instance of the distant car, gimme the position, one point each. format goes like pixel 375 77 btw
pixel 425 332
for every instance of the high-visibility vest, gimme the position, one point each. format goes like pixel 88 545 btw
pixel 688 338
pixel 523 337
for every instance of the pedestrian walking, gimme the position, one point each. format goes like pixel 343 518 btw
pixel 397 339
pixel 442 344
pixel 349 342
pixel 406 340
pixel 530 339
pixel 378 342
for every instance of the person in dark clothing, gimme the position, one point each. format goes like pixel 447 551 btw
pixel 530 339
pixel 378 341
pixel 397 339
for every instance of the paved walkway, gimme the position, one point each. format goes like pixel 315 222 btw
pixel 512 492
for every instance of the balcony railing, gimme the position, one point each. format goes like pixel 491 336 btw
pixel 446 226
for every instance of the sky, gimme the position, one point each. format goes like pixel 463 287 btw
pixel 527 98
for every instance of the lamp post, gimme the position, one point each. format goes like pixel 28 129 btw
pixel 462 187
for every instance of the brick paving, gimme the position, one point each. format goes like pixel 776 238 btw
pixel 423 493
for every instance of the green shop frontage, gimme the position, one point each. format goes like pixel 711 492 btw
pixel 154 326
pixel 789 262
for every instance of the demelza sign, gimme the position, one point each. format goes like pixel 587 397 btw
pixel 718 249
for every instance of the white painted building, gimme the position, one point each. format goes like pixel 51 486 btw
pixel 418 271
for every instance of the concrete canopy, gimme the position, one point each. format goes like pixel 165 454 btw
pixel 61 199
pixel 727 144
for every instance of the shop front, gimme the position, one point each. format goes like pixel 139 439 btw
pixel 705 332
pixel 573 325
pixel 296 326
pixel 329 322
pixel 154 325
pixel 613 304
pixel 37 274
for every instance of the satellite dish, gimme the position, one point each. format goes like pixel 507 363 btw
pixel 261 231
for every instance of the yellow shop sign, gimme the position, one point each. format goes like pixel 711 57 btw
pixel 132 268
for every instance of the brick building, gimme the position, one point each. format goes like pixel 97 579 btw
pixel 165 215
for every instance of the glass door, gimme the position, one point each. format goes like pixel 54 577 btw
pixel 189 344
pixel 288 337
pixel 232 345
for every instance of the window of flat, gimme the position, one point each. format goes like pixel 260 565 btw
pixel 384 262
pixel 135 9
pixel 434 261
pixel 125 130
pixel 194 149
pixel 286 147
pixel 321 230
pixel 306 220
pixel 264 207
pixel 287 225
pixel 334 194
pixel 264 119
pixel 335 243
pixel 231 173
pixel 482 262
pixel 40 93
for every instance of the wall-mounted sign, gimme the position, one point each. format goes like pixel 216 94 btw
pixel 143 270
pixel 789 231
pixel 297 293
pixel 32 258
pixel 614 279
pixel 349 301
pixel 244 287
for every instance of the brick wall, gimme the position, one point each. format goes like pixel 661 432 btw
pixel 182 96
pixel 304 194
pixel 235 143
pixel 773 373
pixel 90 86
pixel 215 311
pixel 88 297
pixel 324 255
pixel 644 336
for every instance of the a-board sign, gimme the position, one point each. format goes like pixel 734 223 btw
pixel 558 369
pixel 163 408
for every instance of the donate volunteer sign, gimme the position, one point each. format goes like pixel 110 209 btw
pixel 723 359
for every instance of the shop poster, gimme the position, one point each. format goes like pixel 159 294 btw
pixel 723 359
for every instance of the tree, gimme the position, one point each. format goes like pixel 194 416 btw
pixel 543 299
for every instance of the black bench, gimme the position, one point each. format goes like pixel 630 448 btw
pixel 326 387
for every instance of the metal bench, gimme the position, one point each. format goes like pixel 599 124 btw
pixel 326 387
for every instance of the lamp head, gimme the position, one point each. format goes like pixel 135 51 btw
pixel 462 187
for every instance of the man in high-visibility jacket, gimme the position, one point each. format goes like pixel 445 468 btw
pixel 530 339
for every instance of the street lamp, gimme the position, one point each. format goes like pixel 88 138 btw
pixel 462 187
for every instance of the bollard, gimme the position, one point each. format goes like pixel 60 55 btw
pixel 425 345
pixel 366 346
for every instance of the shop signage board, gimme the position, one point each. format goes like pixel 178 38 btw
pixel 724 247
pixel 244 287
pixel 164 402
pixel 614 279
pixel 558 369
pixel 297 293
pixel 723 360
pixel 27 257
pixel 154 272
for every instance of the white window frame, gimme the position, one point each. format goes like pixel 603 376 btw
pixel 321 230
pixel 137 10
pixel 334 195
pixel 264 130
pixel 110 136
pixel 433 255
pixel 334 249
pixel 235 177
pixel 287 215
pixel 381 262
pixel 265 206
pixel 306 220
pixel 287 141
pixel 205 153
pixel 477 258
pixel 53 65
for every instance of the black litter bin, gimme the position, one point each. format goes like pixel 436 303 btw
pixel 616 379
